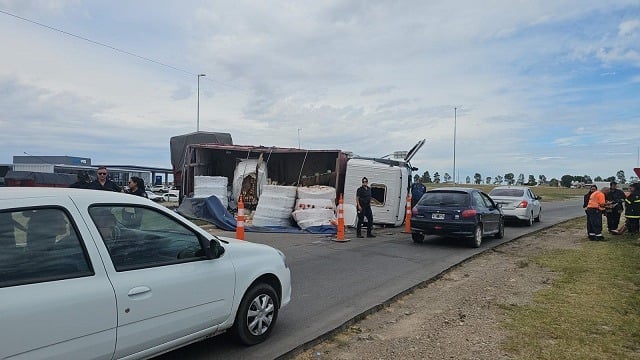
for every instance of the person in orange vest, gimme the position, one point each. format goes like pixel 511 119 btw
pixel 596 205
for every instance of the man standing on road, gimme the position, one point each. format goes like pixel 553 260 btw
pixel 597 204
pixel 417 190
pixel 363 204
pixel 103 182
pixel 616 198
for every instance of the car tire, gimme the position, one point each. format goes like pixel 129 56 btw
pixel 417 237
pixel 500 233
pixel 539 217
pixel 476 240
pixel 257 315
pixel 529 221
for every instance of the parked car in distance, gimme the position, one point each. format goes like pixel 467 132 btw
pixel 170 197
pixel 154 197
pixel 456 212
pixel 518 203
pixel 105 275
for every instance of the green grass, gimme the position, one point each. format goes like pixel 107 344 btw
pixel 592 310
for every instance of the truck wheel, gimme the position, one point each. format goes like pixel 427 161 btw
pixel 256 315
pixel 417 237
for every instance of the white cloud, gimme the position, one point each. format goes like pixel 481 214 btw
pixel 533 82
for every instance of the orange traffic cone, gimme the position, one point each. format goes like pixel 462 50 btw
pixel 407 217
pixel 340 233
pixel 240 220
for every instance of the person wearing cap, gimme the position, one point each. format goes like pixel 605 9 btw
pixel 596 206
pixel 616 198
pixel 363 204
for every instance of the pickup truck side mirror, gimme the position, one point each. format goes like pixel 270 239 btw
pixel 215 250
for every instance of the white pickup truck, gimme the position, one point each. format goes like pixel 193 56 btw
pixel 87 274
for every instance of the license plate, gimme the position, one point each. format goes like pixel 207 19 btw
pixel 437 216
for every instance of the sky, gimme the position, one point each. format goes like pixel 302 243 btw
pixel 533 87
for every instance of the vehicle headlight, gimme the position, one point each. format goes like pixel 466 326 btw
pixel 284 258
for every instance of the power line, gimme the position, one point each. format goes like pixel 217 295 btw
pixel 112 48
pixel 97 43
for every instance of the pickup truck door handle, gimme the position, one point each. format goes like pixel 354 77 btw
pixel 139 290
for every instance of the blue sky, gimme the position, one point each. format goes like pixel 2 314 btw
pixel 540 87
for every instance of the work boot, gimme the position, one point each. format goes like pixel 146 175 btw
pixel 359 234
pixel 600 238
pixel 592 237
pixel 370 235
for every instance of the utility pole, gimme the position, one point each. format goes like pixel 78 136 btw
pixel 198 111
pixel 455 120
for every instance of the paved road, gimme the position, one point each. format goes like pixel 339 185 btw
pixel 334 283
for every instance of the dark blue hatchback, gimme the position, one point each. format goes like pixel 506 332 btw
pixel 457 212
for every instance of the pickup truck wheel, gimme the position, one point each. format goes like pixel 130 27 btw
pixel 417 237
pixel 256 315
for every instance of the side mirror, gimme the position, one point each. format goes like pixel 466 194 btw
pixel 215 250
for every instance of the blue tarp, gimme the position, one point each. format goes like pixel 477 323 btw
pixel 211 210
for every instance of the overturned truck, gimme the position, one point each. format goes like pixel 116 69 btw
pixel 389 178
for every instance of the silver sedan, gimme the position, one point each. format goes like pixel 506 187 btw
pixel 518 203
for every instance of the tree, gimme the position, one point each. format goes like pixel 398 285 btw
pixel 436 178
pixel 532 180
pixel 509 178
pixel 426 177
pixel 566 180
pixel 468 179
pixel 621 177
pixel 477 178
pixel 610 179
pixel 416 177
pixel 520 179
pixel 587 179
pixel 542 179
pixel 598 178
pixel 447 177
pixel 553 182
pixel 498 180
pixel 488 180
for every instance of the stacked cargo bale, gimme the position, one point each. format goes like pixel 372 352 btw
pixel 315 206
pixel 205 186
pixel 275 206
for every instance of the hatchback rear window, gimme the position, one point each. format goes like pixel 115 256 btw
pixel 507 192
pixel 444 198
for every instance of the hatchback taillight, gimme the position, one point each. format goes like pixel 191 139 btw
pixel 523 204
pixel 469 213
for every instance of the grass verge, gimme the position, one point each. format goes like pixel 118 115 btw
pixel 592 310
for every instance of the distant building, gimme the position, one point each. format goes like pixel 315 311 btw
pixel 63 170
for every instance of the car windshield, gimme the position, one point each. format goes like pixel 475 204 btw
pixel 444 198
pixel 507 192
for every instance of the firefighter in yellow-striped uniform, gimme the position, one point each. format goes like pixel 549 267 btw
pixel 632 211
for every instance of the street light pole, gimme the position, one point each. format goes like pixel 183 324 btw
pixel 198 114
pixel 455 120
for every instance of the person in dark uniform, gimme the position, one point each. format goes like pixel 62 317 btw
pixel 592 188
pixel 103 182
pixel 616 198
pixel 632 211
pixel 83 181
pixel 417 190
pixel 136 187
pixel 363 204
